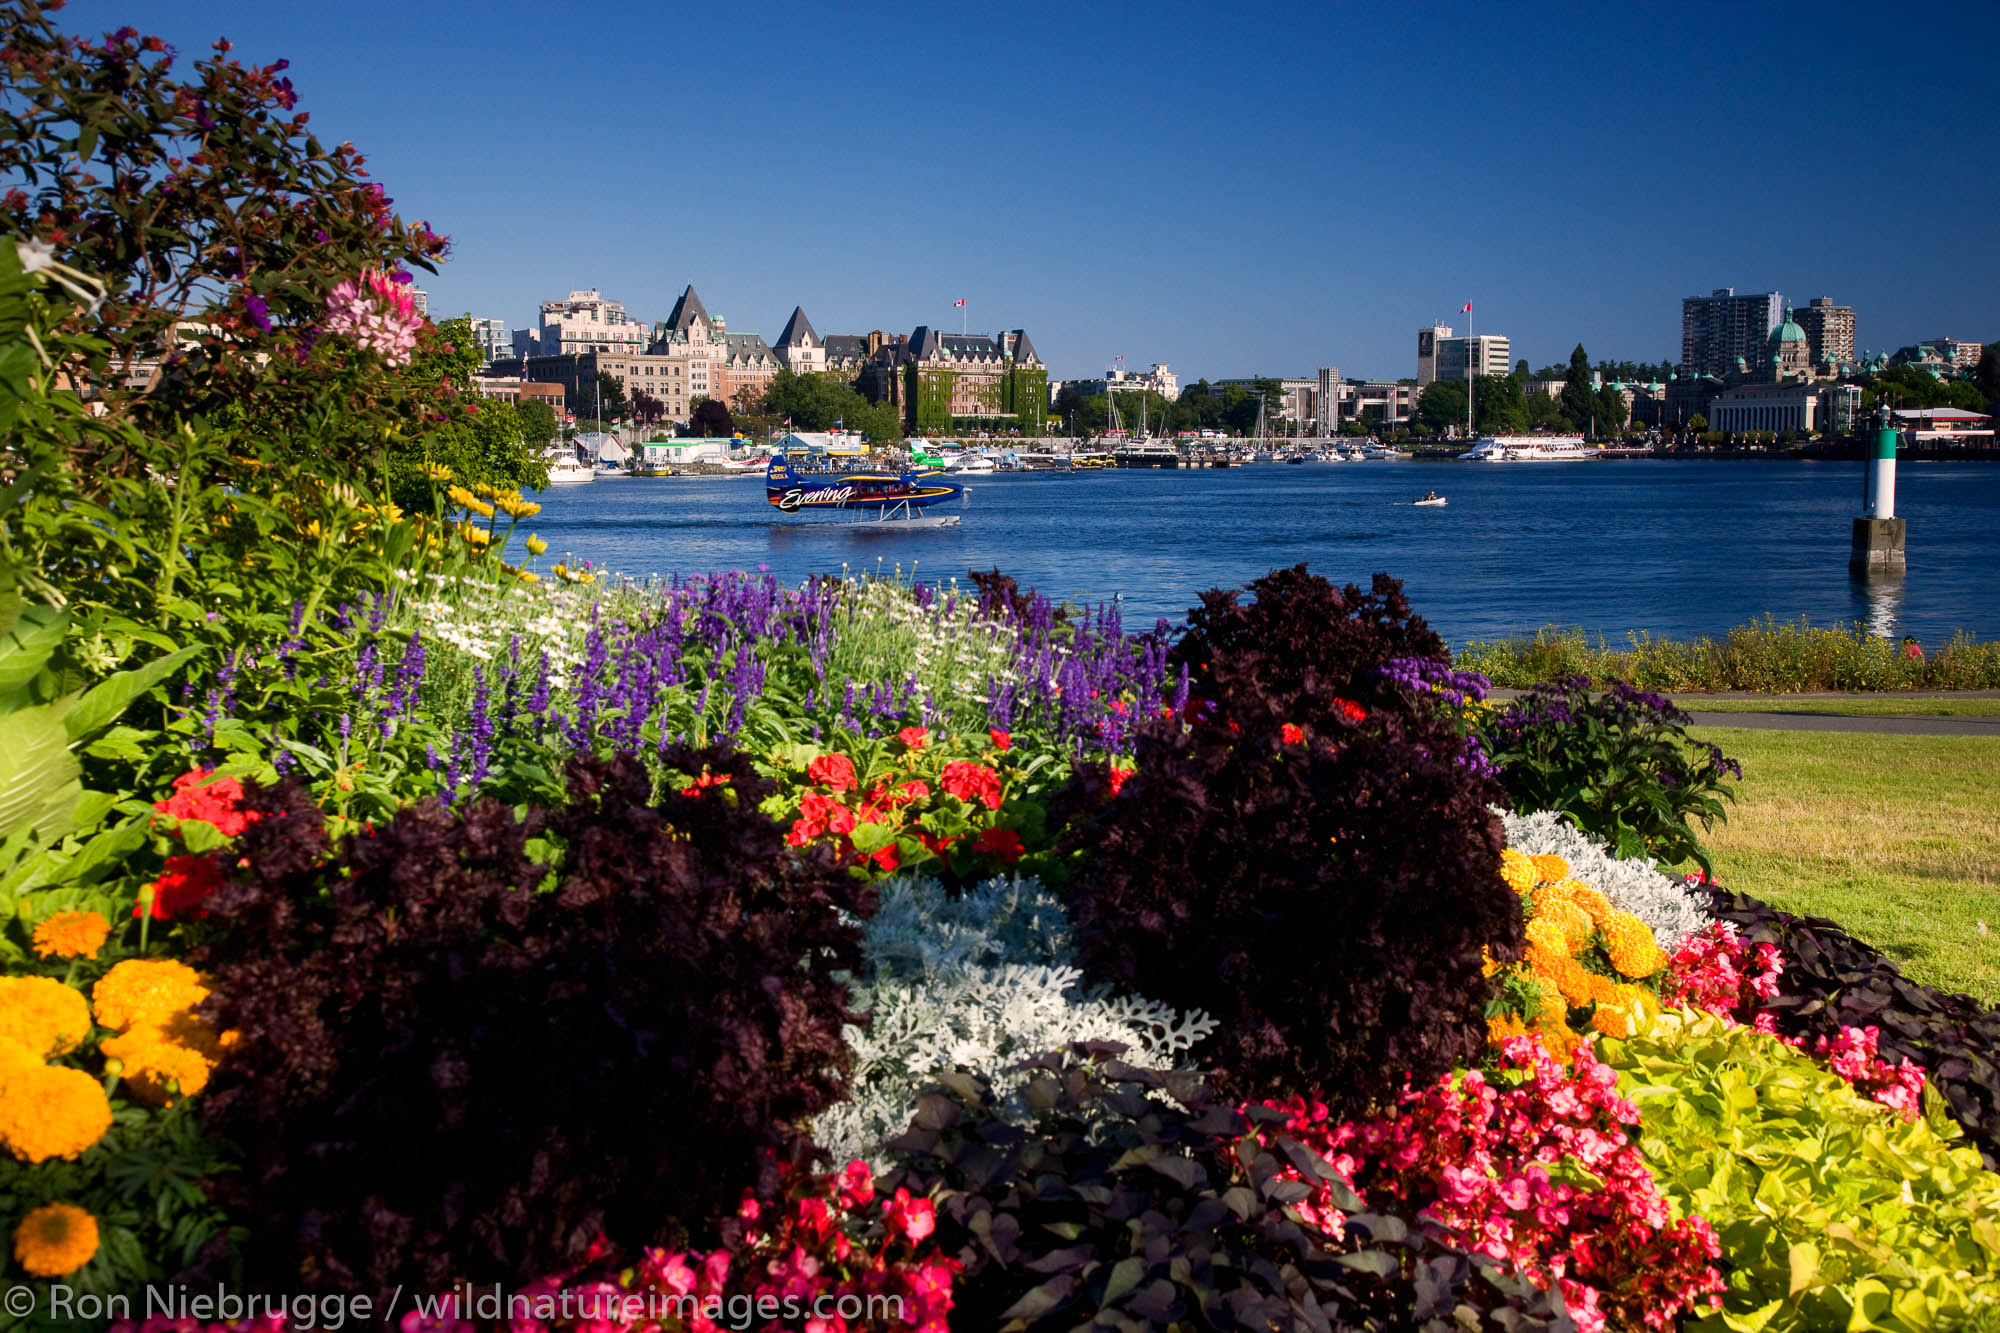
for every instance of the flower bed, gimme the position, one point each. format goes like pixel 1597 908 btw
pixel 388 913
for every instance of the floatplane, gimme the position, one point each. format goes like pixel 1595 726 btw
pixel 805 483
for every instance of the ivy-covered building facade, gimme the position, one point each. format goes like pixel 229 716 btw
pixel 950 383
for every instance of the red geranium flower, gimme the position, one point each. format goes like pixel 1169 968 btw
pixel 827 813
pixel 213 800
pixel 1350 710
pixel 705 781
pixel 913 790
pixel 1001 740
pixel 182 886
pixel 937 842
pixel 914 737
pixel 886 858
pixel 835 772
pixel 1001 842
pixel 975 784
pixel 1118 777
pixel 1291 734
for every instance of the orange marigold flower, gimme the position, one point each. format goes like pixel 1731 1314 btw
pixel 71 935
pixel 51 1111
pixel 42 1016
pixel 1517 870
pixel 55 1239
pixel 1551 868
pixel 146 990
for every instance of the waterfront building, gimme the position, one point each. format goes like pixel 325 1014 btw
pixel 1297 398
pixel 586 321
pixel 1721 329
pixel 1326 400
pixel 1942 357
pixel 1950 426
pixel 1546 388
pixel 1440 356
pixel 1797 405
pixel 662 377
pixel 799 345
pixel 1160 380
pixel 1829 330
pixel 952 377
pixel 748 367
pixel 1380 404
pixel 495 339
pixel 514 389
pixel 700 343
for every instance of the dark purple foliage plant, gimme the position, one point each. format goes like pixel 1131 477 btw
pixel 473 1042
pixel 1308 855
pixel 1139 1202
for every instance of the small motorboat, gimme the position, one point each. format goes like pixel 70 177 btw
pixel 1432 501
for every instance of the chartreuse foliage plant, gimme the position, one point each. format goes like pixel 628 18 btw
pixel 1833 1212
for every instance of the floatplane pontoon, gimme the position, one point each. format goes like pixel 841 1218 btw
pixel 873 498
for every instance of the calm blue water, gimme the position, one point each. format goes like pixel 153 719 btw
pixel 1671 548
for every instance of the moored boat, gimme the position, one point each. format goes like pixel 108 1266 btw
pixel 1528 449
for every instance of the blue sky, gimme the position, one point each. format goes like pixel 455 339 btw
pixel 1232 189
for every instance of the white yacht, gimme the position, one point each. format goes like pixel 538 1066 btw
pixel 1377 450
pixel 565 466
pixel 1528 449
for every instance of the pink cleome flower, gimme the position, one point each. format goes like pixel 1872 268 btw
pixel 379 313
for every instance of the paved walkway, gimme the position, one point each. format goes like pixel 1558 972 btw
pixel 1801 716
pixel 1901 726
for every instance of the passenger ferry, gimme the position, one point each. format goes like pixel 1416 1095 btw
pixel 1529 449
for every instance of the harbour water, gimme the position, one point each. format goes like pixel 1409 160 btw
pixel 1672 548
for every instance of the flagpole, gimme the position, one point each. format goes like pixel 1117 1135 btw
pixel 1471 373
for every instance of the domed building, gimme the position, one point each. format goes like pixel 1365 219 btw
pixel 1790 355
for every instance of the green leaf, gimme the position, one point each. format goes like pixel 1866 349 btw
pixel 1804 1263
pixel 1125 1275
pixel 107 702
pixel 26 648
pixel 39 777
pixel 201 836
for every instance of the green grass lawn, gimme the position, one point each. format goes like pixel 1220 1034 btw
pixel 1849 706
pixel 1895 837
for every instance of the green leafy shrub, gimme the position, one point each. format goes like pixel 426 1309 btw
pixel 1833 1212
pixel 1137 1202
pixel 1765 655
pixel 447 1072
pixel 1311 859
pixel 1620 764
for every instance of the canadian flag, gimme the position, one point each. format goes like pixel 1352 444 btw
pixel 956 304
pixel 1468 308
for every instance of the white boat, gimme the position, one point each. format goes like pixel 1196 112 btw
pixel 1381 451
pixel 1429 502
pixel 1528 449
pixel 565 466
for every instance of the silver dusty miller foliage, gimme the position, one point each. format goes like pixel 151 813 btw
pixel 978 983
pixel 1634 886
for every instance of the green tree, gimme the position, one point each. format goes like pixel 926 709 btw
pixel 538 421
pixel 483 443
pixel 1521 369
pixel 1698 424
pixel 1441 406
pixel 605 400
pixel 1986 378
pixel 1500 407
pixel 1579 400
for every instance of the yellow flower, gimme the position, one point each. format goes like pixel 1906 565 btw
pixel 477 536
pixel 156 1068
pixel 1517 870
pixel 146 990
pixel 1631 946
pixel 536 545
pixel 528 576
pixel 486 492
pixel 1551 867
pixel 71 935
pixel 55 1239
pixel 313 529
pixel 465 499
pixel 436 471
pixel 51 1111
pixel 515 507
pixel 42 1016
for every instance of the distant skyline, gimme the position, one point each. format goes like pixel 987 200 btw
pixel 1232 190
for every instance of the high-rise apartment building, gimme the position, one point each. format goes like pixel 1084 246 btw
pixel 1443 357
pixel 1829 331
pixel 584 321
pixel 495 339
pixel 1723 328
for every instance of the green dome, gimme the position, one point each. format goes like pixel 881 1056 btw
pixel 1787 332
